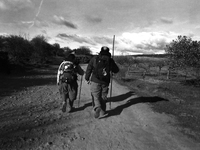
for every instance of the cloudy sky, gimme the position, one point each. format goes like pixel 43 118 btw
pixel 139 26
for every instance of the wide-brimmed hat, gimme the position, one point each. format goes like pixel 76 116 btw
pixel 105 51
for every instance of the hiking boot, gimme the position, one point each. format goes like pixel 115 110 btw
pixel 64 107
pixel 71 109
pixel 102 114
pixel 97 112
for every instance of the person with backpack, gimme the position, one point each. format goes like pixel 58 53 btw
pixel 67 81
pixel 98 74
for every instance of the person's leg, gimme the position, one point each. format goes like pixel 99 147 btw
pixel 95 89
pixel 73 90
pixel 92 101
pixel 71 108
pixel 96 97
pixel 104 95
pixel 64 95
pixel 64 105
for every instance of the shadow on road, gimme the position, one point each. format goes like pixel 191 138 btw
pixel 121 97
pixel 24 123
pixel 25 79
pixel 83 107
pixel 119 109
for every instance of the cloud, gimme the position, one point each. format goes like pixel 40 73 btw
pixel 16 4
pixel 102 40
pixel 94 19
pixel 133 51
pixel 61 21
pixel 27 23
pixel 158 44
pixel 3 6
pixel 128 43
pixel 145 42
pixel 197 27
pixel 4 34
pixel 40 24
pixel 44 31
pixel 35 22
pixel 75 38
pixel 166 20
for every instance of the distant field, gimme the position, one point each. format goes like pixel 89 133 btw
pixel 156 66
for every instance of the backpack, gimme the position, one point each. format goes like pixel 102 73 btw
pixel 68 74
pixel 102 68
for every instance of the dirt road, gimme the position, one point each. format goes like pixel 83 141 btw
pixel 31 119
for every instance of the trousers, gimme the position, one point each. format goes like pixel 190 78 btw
pixel 99 94
pixel 68 92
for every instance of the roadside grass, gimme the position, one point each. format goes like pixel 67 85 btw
pixel 183 95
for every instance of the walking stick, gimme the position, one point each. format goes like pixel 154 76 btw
pixel 111 72
pixel 80 91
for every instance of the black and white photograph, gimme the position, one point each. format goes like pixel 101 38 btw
pixel 99 75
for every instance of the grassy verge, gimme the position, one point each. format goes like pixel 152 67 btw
pixel 183 100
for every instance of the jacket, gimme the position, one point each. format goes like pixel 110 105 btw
pixel 90 68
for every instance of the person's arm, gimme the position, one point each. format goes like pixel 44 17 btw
pixel 114 67
pixel 79 70
pixel 89 69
